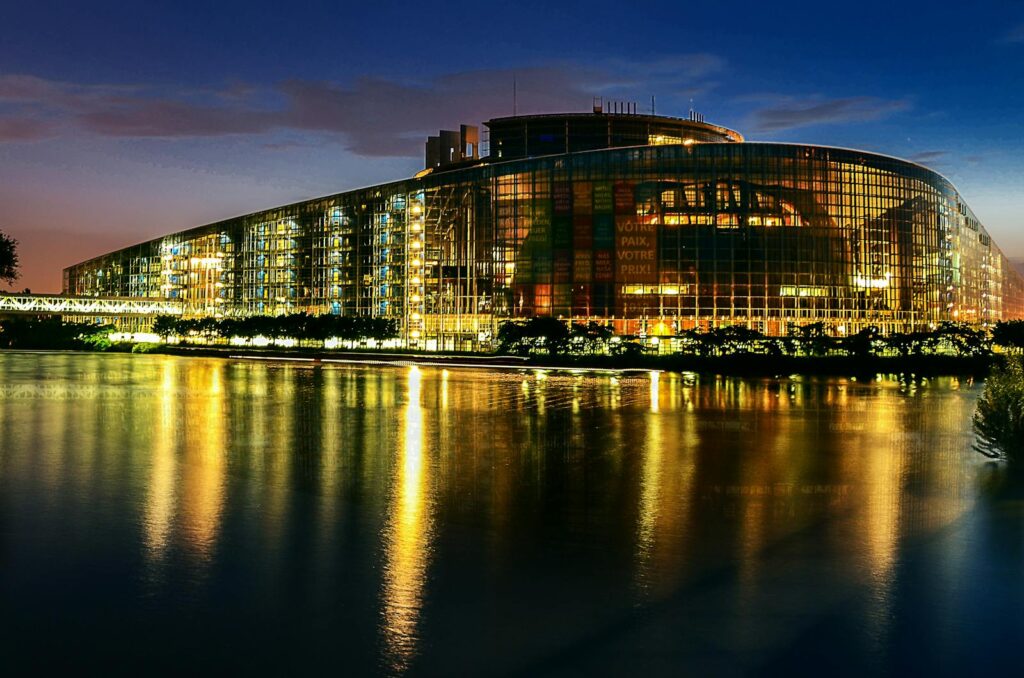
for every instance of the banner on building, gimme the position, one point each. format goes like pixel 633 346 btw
pixel 636 251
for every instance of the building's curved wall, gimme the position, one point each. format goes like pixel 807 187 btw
pixel 659 239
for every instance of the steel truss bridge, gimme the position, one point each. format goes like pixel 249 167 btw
pixel 56 304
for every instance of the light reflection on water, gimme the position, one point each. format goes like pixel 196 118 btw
pixel 407 536
pixel 429 520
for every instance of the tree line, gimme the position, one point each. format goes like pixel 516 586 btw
pixel 293 326
pixel 52 333
pixel 549 336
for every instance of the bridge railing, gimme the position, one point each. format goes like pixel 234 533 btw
pixel 101 306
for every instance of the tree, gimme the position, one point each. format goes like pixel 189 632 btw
pixel 510 337
pixel 732 340
pixel 1009 334
pixel 906 344
pixel 961 340
pixel 999 419
pixel 164 326
pixel 541 333
pixel 862 344
pixel 590 338
pixel 8 258
pixel 813 340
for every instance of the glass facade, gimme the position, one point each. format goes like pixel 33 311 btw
pixel 655 238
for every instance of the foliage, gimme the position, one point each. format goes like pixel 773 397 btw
pixel 959 339
pixel 592 338
pixel 811 340
pixel 8 258
pixel 97 338
pixel 999 419
pixel 734 340
pixel 551 336
pixel 53 334
pixel 861 344
pixel 545 334
pixel 1009 334
pixel 295 325
pixel 626 349
pixel 164 326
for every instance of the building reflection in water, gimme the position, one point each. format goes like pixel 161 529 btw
pixel 159 509
pixel 205 458
pixel 185 494
pixel 407 536
pixel 419 510
pixel 650 486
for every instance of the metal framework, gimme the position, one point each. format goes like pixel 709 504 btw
pixel 42 304
pixel 656 232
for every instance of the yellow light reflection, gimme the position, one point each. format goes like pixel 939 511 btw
pixel 159 510
pixel 203 477
pixel 407 537
pixel 444 389
pixel 665 478
pixel 650 498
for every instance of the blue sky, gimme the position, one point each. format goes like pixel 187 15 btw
pixel 120 121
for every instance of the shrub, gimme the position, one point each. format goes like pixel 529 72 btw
pixel 999 419
pixel 1009 334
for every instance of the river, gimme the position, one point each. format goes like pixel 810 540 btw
pixel 192 514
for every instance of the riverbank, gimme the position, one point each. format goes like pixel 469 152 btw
pixel 743 365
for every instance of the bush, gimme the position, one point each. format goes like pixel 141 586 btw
pixel 999 419
pixel 540 334
pixel 1010 335
pixel 145 348
pixel 96 339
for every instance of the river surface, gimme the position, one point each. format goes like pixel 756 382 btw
pixel 207 515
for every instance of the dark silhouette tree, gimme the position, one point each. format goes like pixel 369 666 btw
pixel 813 340
pixel 8 258
pixel 546 334
pixel 510 338
pixel 590 338
pixel 164 326
pixel 1009 334
pixel 960 339
pixel 862 344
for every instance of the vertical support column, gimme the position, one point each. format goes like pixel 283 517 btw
pixel 414 283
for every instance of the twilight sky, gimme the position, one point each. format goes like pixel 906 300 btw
pixel 122 121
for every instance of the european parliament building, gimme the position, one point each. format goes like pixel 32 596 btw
pixel 650 223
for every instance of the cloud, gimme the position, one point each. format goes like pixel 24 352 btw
pixel 788 113
pixel 25 129
pixel 373 116
pixel 163 118
pixel 927 156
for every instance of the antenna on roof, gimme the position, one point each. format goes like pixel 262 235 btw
pixel 515 102
pixel 652 104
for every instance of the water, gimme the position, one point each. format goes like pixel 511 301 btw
pixel 207 515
